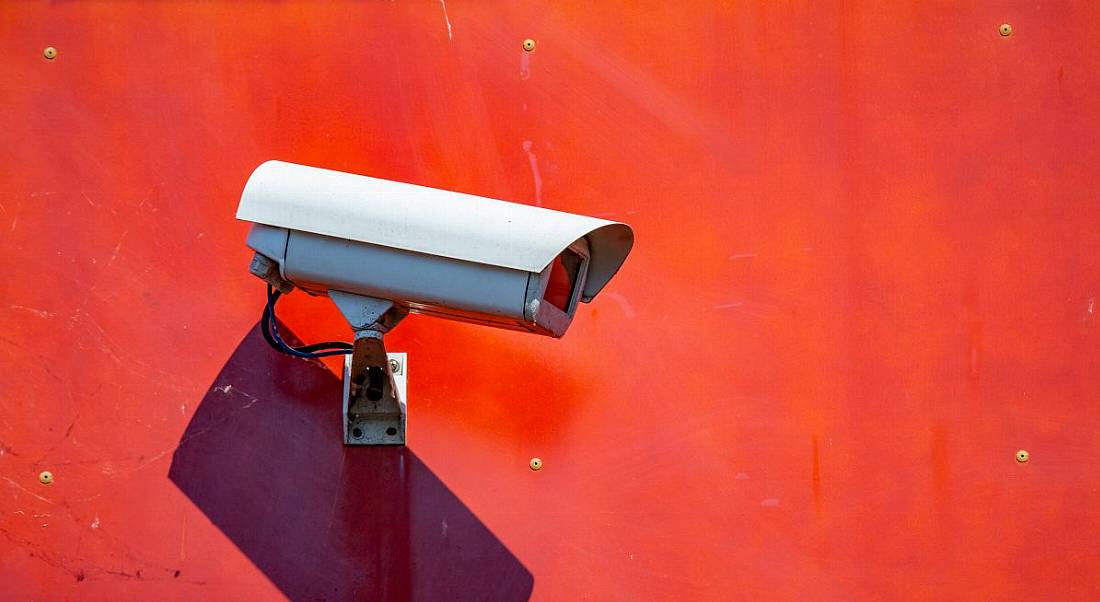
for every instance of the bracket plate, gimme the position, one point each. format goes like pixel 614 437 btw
pixel 377 432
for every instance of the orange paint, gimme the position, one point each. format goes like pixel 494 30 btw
pixel 875 225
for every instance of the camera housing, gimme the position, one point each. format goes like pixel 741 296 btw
pixel 381 249
pixel 435 252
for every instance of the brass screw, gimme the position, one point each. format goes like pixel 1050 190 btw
pixel 45 477
pixel 536 463
pixel 1005 29
pixel 528 44
pixel 50 53
pixel 1022 456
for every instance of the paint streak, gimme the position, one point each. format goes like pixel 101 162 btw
pixel 628 310
pixel 525 65
pixel 534 161
pixel 770 502
pixel 450 32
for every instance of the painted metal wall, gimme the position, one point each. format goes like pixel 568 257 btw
pixel 866 274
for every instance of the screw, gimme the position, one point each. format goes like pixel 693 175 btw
pixel 50 53
pixel 528 44
pixel 45 477
pixel 536 463
pixel 1022 456
pixel 1005 29
pixel 395 367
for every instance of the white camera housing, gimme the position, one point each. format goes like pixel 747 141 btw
pixel 434 252
pixel 381 249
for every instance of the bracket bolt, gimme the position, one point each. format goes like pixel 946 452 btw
pixel 1005 29
pixel 45 477
pixel 1022 456
pixel 395 367
pixel 536 463
pixel 529 45
pixel 50 53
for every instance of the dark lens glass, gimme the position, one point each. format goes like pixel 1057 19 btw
pixel 563 277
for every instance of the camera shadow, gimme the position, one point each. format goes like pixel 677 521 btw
pixel 263 458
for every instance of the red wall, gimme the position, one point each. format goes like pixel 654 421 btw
pixel 866 274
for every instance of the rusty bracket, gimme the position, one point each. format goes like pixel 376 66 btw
pixel 374 400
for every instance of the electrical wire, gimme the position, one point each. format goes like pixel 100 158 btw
pixel 271 334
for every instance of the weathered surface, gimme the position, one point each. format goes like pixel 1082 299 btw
pixel 866 274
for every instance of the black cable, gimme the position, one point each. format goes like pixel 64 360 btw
pixel 271 334
pixel 266 331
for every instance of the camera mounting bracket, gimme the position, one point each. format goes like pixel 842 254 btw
pixel 374 381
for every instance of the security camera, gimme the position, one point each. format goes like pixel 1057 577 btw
pixel 381 249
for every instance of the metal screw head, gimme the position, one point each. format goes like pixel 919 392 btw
pixel 1022 456
pixel 50 53
pixel 536 463
pixel 528 44
pixel 395 367
pixel 1005 29
pixel 45 477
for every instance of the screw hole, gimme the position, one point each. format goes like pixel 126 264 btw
pixel 391 431
pixel 357 432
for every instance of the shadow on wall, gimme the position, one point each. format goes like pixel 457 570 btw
pixel 263 459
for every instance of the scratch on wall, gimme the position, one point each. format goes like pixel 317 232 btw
pixel 150 460
pixel 534 161
pixel 27 491
pixel 525 65
pixel 118 247
pixel 450 32
pixel 227 389
pixel 628 310
pixel 41 313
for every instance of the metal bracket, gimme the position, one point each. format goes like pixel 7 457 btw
pixel 374 402
pixel 372 430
